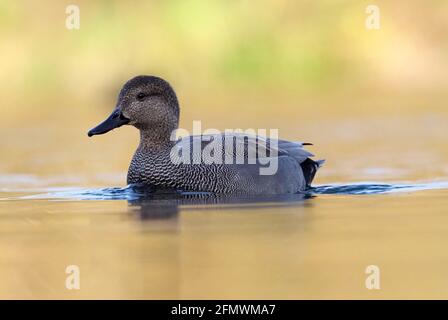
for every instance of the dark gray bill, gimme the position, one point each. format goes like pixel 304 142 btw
pixel 115 120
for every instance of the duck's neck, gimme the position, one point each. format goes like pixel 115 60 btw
pixel 151 163
pixel 153 141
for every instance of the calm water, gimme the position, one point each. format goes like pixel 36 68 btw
pixel 381 199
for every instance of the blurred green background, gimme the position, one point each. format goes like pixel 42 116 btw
pixel 299 57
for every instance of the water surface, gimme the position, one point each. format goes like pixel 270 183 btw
pixel 371 205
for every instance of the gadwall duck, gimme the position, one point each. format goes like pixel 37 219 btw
pixel 162 162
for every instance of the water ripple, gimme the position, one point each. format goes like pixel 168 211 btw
pixel 131 193
pixel 376 188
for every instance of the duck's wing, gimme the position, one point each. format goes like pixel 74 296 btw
pixel 239 145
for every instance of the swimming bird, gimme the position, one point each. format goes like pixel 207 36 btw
pixel 233 163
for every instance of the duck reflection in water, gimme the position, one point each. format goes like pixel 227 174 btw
pixel 163 204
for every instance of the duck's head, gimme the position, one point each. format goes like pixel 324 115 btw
pixel 145 102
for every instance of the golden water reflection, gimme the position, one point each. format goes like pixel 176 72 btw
pixel 295 248
pixel 315 248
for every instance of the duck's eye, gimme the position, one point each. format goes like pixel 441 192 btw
pixel 141 96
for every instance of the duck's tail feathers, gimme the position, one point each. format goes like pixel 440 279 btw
pixel 320 163
pixel 309 168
